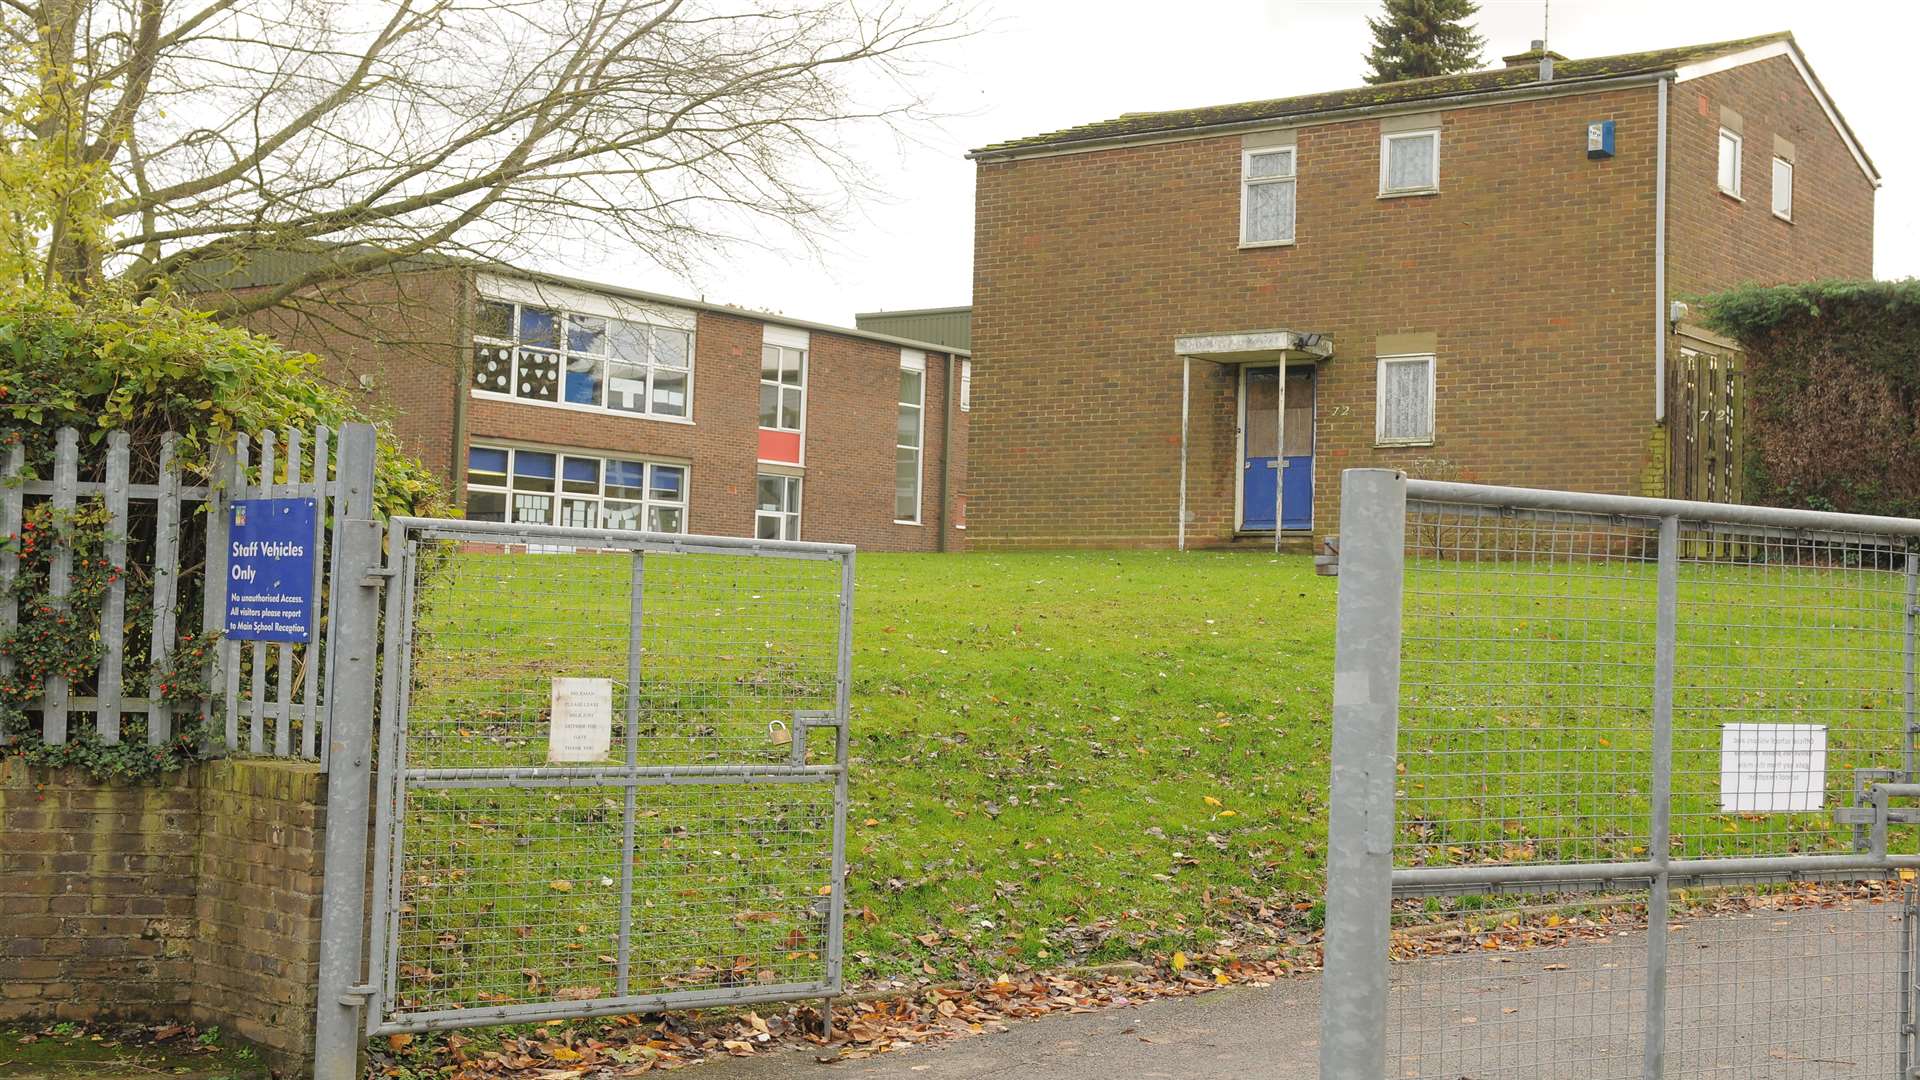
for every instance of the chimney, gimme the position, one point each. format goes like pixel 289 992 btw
pixel 1537 52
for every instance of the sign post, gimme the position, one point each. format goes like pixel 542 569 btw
pixel 270 569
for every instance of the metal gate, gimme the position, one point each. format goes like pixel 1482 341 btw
pixel 1622 787
pixel 612 774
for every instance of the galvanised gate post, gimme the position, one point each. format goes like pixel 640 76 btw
pixel 356 626
pixel 1366 693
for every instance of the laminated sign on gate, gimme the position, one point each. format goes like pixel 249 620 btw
pixel 270 569
pixel 1772 768
pixel 580 725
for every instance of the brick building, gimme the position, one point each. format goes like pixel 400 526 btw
pixel 1466 277
pixel 548 399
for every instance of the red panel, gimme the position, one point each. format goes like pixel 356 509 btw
pixel 780 446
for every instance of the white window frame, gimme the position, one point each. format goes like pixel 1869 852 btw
pixel 648 503
pixel 512 346
pixel 966 385
pixel 1248 182
pixel 1739 152
pixel 913 360
pixel 1778 164
pixel 1380 399
pixel 793 491
pixel 1387 139
pixel 780 388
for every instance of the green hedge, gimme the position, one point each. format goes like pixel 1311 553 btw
pixel 1833 392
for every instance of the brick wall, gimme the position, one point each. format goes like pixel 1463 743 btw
pixel 1532 267
pixel 394 332
pixel 192 898
pixel 256 952
pixel 1715 241
pixel 853 387
pixel 97 888
pixel 397 332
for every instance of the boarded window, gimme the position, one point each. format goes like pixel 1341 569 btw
pixel 1299 427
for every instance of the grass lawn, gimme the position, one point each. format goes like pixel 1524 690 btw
pixel 1085 754
pixel 1055 757
pixel 1064 757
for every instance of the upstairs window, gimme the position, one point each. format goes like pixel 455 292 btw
pixel 1729 172
pixel 559 357
pixel 1783 189
pixel 1409 162
pixel 1266 196
pixel 1403 402
pixel 783 387
pixel 966 386
pixel 909 437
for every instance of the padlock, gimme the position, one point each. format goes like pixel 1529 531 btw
pixel 777 731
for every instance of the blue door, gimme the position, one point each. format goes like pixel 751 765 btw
pixel 1263 465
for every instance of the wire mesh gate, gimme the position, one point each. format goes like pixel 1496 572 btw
pixel 613 774
pixel 1618 787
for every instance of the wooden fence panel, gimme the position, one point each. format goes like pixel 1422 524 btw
pixel 285 682
pixel 1706 398
pixel 12 515
pixel 66 493
pixel 166 586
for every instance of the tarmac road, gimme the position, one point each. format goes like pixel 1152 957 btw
pixel 1807 995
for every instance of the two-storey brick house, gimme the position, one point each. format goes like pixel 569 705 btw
pixel 1467 277
pixel 557 401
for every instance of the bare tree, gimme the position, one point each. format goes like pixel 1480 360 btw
pixel 147 137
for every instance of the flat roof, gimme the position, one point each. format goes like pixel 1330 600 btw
pixel 720 309
pixel 961 310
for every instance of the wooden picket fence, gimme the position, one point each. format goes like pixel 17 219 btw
pixel 270 697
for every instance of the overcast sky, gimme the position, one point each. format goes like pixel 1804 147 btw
pixel 1038 65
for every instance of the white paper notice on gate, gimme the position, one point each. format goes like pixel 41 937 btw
pixel 580 728
pixel 1772 768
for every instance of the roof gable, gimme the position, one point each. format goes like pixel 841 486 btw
pixel 1787 47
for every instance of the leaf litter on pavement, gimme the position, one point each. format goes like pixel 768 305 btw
pixel 879 1022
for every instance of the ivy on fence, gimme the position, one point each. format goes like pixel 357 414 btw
pixel 59 637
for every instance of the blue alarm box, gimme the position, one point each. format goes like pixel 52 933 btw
pixel 1600 139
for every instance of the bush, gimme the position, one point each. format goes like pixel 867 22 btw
pixel 1833 376
pixel 143 367
pixel 149 367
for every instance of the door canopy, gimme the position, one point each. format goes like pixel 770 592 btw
pixel 1255 346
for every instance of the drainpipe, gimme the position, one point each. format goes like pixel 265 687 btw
pixel 1660 261
pixel 462 356
pixel 946 453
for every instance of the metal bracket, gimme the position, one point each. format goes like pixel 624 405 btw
pixel 374 579
pixel 1870 815
pixel 357 995
pixel 804 721
pixel 1327 562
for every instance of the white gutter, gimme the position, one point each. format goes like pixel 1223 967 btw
pixel 1660 261
pixel 1589 84
pixel 1186 394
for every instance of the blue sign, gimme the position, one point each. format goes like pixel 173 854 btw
pixel 270 569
